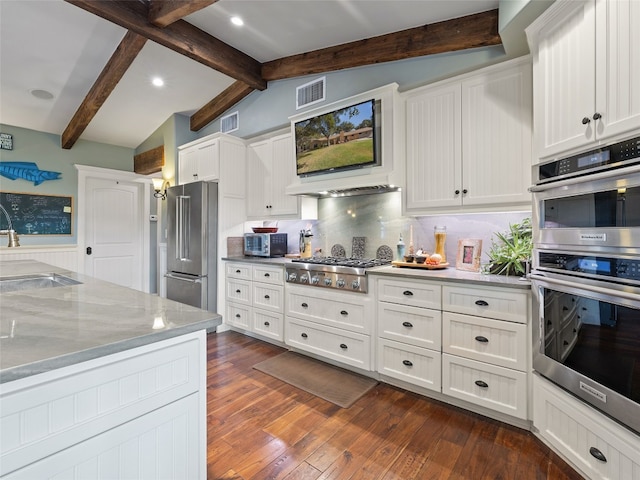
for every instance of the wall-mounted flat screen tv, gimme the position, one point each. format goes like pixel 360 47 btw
pixel 343 139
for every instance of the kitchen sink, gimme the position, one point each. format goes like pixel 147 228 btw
pixel 31 282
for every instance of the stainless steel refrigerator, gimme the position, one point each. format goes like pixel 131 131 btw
pixel 192 231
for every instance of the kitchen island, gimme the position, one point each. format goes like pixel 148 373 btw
pixel 98 379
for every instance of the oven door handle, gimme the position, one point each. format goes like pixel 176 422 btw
pixel 592 288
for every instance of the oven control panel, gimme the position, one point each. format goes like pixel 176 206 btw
pixel 604 267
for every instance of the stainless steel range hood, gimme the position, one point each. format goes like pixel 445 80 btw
pixel 352 192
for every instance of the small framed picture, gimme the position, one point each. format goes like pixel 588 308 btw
pixel 469 251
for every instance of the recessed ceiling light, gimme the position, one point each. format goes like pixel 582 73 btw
pixel 237 21
pixel 157 81
pixel 41 94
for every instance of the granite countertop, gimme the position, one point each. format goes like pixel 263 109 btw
pixel 446 274
pixel 49 328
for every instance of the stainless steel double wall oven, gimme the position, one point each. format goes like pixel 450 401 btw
pixel 586 277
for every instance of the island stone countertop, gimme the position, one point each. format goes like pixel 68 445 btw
pixel 43 329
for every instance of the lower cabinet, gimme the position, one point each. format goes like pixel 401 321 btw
pixel 255 299
pixel 597 446
pixel 334 325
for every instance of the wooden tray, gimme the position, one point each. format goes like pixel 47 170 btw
pixel 420 265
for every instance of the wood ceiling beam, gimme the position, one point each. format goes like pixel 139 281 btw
pixel 181 37
pixel 478 30
pixel 125 54
pixel 166 12
pixel 219 105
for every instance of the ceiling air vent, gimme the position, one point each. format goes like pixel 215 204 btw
pixel 229 123
pixel 310 93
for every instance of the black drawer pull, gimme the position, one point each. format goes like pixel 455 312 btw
pixel 237 271
pixel 407 324
pixel 481 384
pixel 407 363
pixel 597 454
pixel 304 305
pixel 482 339
pixel 343 346
pixel 238 315
pixel 266 324
pixel 267 297
pixel 408 293
pixel 267 275
pixel 238 291
pixel 565 308
pixel 344 313
pixel 304 335
pixel 482 303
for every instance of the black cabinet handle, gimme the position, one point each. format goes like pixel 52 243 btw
pixel 237 271
pixel 237 315
pixel 304 335
pixel 267 275
pixel 304 305
pixel 597 454
pixel 457 192
pixel 238 291
pixel 267 297
pixel 482 339
pixel 597 116
pixel 482 384
pixel 482 303
pixel 407 324
pixel 343 346
pixel 344 313
pixel 586 120
pixel 565 308
pixel 266 324
pixel 464 191
pixel 407 363
pixel 408 293
pixel 89 251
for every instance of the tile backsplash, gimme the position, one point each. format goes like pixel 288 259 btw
pixel 378 218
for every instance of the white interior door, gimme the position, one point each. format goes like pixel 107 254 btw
pixel 113 234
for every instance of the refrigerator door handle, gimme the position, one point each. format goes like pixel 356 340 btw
pixel 182 221
pixel 184 278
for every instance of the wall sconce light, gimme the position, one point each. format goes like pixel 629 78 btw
pixel 160 186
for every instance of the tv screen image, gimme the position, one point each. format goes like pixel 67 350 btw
pixel 343 139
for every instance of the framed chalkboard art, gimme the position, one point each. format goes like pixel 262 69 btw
pixel 36 214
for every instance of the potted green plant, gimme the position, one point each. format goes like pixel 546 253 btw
pixel 511 253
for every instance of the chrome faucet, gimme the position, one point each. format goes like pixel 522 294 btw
pixel 10 232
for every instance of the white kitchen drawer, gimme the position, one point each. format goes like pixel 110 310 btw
pixel 350 311
pixel 268 297
pixel 486 340
pixel 238 315
pixel 500 303
pixel 267 274
pixel 243 271
pixel 333 343
pixel 417 326
pixel 410 292
pixel 573 428
pixel 498 388
pixel 239 291
pixel 415 365
pixel 269 324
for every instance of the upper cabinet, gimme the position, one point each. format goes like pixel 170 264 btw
pixel 217 157
pixel 586 63
pixel 469 142
pixel 271 168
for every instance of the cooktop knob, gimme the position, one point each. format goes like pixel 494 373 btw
pixel 315 280
pixel 304 279
pixel 327 282
pixel 292 277
pixel 355 284
pixel 340 283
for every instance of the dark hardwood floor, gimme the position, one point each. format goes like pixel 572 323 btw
pixel 261 428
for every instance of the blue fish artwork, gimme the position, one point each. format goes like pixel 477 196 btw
pixel 27 171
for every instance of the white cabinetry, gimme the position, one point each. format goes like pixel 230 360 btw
pixel 586 74
pixel 199 162
pixel 271 169
pixel 465 136
pixel 255 299
pixel 598 447
pixel 485 347
pixel 136 413
pixel 334 325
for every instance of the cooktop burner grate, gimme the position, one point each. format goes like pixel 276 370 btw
pixel 344 262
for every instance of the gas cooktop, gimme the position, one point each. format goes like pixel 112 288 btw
pixel 344 262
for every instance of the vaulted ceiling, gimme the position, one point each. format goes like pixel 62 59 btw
pixel 96 57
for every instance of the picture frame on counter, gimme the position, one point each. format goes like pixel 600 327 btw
pixel 469 252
